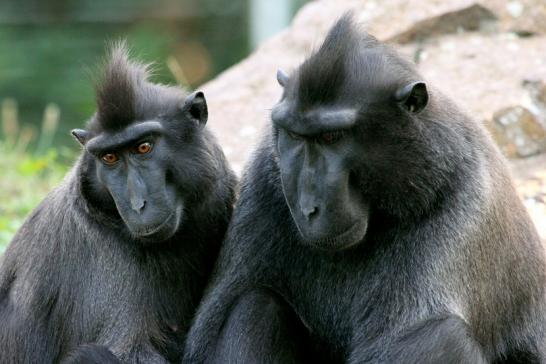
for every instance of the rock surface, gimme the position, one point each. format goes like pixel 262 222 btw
pixel 518 132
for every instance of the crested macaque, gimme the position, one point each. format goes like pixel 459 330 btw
pixel 111 265
pixel 376 223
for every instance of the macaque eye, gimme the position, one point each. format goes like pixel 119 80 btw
pixel 294 135
pixel 143 148
pixel 110 158
pixel 330 137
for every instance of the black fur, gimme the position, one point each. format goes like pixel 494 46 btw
pixel 90 354
pixel 268 322
pixel 75 274
pixel 450 269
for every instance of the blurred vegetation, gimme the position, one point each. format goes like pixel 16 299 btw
pixel 28 173
pixel 50 49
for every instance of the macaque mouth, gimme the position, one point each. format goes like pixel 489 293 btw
pixel 340 241
pixel 149 231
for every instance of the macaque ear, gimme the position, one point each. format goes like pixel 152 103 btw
pixel 414 96
pixel 282 78
pixel 81 135
pixel 195 107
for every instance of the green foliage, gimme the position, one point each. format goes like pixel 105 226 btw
pixel 25 181
pixel 27 176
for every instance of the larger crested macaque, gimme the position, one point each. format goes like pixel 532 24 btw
pixel 112 264
pixel 376 223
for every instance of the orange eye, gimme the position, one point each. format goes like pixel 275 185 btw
pixel 330 137
pixel 110 158
pixel 144 148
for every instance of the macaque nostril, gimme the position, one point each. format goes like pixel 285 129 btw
pixel 309 211
pixel 138 206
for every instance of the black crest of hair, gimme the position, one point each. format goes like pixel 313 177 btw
pixel 346 57
pixel 322 75
pixel 329 62
pixel 111 265
pixel 125 94
pixel 116 91
pixel 376 223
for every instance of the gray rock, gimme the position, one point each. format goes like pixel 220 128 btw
pixel 518 132
pixel 473 17
pixel 525 17
pixel 537 98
